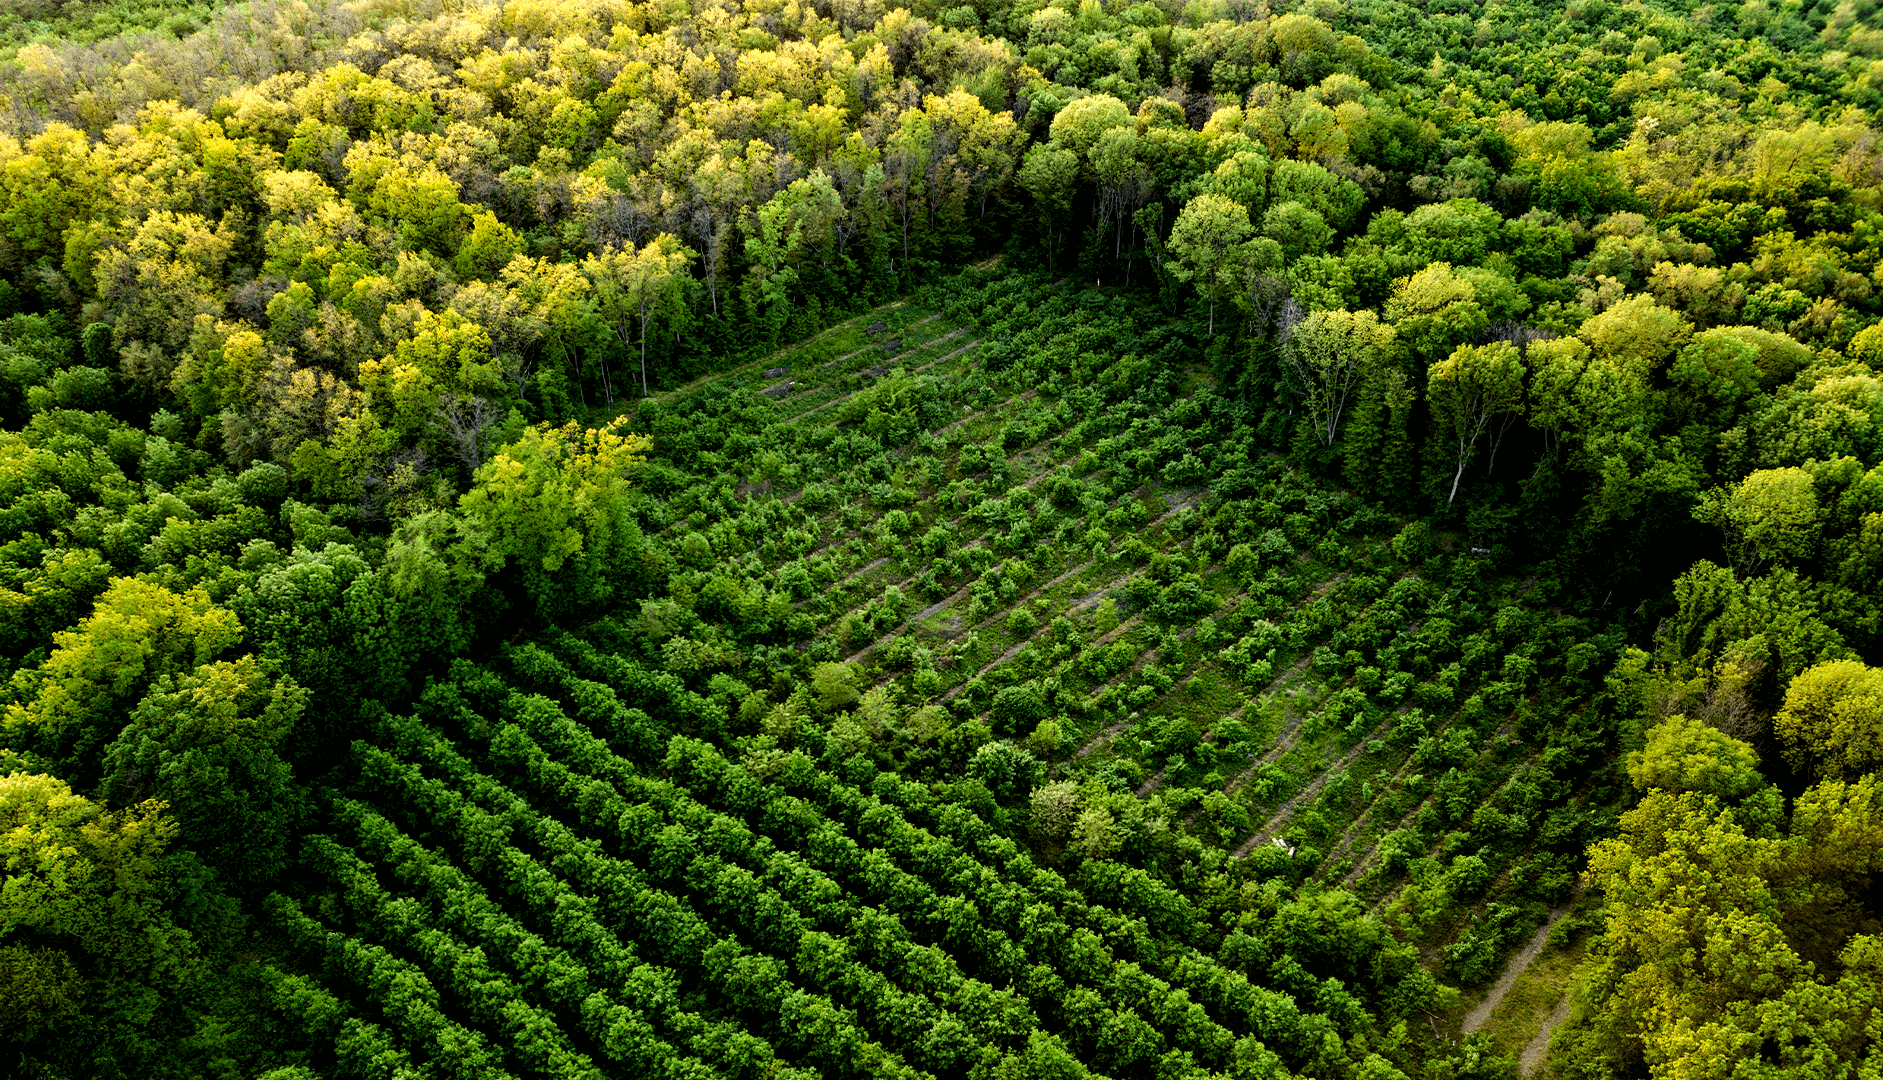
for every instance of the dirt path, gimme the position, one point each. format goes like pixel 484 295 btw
pixel 950 356
pixel 1104 639
pixel 1101 738
pixel 1284 742
pixel 1112 635
pixel 1538 1047
pixel 765 361
pixel 1286 810
pixel 1015 400
pixel 1372 856
pixel 854 393
pixel 821 408
pixel 924 614
pixel 1012 651
pixel 806 392
pixel 872 344
pixel 1347 836
pixel 1513 971
pixel 847 579
pixel 1018 600
pixel 1322 589
pixel 924 345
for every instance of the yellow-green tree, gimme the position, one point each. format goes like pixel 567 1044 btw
pixel 552 506
pixel 1469 388
pixel 635 287
pixel 1772 514
pixel 166 271
pixel 136 633
pixel 1727 944
pixel 1684 754
pixel 1434 309
pixel 58 180
pixel 1205 239
pixel 83 901
pixel 1637 331
pixel 1832 719
pixel 208 743
pixel 1331 353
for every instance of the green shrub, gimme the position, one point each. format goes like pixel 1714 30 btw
pixel 1414 543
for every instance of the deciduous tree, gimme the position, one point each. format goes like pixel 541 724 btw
pixel 1331 353
pixel 1467 389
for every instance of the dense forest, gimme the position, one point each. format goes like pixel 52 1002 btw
pixel 798 538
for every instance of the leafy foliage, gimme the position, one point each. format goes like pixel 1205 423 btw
pixel 1183 661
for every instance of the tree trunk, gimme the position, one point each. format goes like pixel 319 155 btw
pixel 643 350
pixel 1497 440
pixel 1460 475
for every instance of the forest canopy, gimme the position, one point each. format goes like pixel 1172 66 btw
pixel 788 538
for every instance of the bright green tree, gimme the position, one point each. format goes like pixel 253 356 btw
pixel 85 893
pixel 1331 353
pixel 1467 390
pixel 1684 754
pixel 1209 231
pixel 208 743
pixel 1050 175
pixel 1832 719
pixel 1772 514
pixel 634 287
pixel 1435 309
pixel 137 632
pixel 553 505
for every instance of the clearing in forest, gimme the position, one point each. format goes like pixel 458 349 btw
pixel 991 644
pixel 1011 523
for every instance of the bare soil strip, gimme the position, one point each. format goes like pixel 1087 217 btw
pixel 1538 1047
pixel 1284 742
pixel 1033 393
pixel 1352 831
pixel 764 360
pixel 853 393
pixel 1513 971
pixel 1373 854
pixel 857 573
pixel 872 344
pixel 1101 738
pixel 1307 793
pixel 924 345
pixel 950 356
pixel 1106 639
pixel 925 613
pixel 1018 600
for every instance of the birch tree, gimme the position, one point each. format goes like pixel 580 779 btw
pixel 1331 353
pixel 635 287
pixel 1467 389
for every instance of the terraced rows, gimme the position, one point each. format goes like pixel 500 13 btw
pixel 518 898
pixel 1014 532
